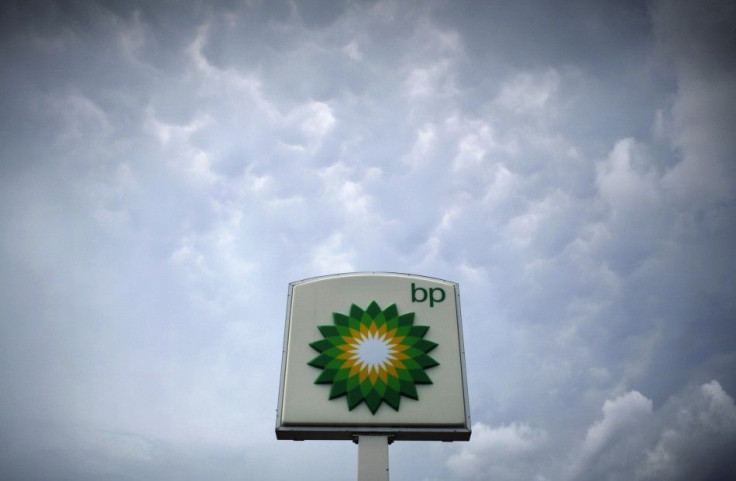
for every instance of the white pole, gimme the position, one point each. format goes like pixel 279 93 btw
pixel 372 458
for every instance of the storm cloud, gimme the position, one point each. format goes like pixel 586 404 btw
pixel 166 169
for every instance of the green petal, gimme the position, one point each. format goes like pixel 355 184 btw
pixel 333 352
pixel 411 364
pixel 418 331
pixel 403 331
pixel 373 309
pixel 327 376
pixel 391 312
pixel 343 331
pixel 339 388
pixel 356 312
pixel 365 387
pixel 340 319
pixel 412 352
pixel 373 400
pixel 320 361
pixel 426 361
pixel 420 377
pixel 321 345
pixel 392 398
pixel 425 346
pixel 380 387
pixel 354 398
pixel 410 340
pixel 328 331
pixel 404 375
pixel 335 364
pixel 406 319
pixel 408 390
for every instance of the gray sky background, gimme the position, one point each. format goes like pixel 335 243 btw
pixel 167 168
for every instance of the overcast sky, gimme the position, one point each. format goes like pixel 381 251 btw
pixel 167 168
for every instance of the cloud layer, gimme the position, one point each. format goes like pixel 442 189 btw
pixel 165 171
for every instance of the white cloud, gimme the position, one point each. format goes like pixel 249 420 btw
pixel 529 93
pixel 431 81
pixel 182 154
pixel 622 185
pixel 622 418
pixel 80 119
pixel 343 186
pixel 696 438
pixel 331 256
pixel 688 438
pixel 502 187
pixel 352 50
pixel 424 143
pixel 698 40
pixel 314 120
pixel 476 145
pixel 503 453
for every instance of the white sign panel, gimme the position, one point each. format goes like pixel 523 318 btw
pixel 373 353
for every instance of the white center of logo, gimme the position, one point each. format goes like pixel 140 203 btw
pixel 373 351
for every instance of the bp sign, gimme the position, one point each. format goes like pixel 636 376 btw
pixel 373 353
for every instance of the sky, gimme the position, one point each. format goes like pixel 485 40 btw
pixel 167 168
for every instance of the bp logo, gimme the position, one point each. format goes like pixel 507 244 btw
pixel 373 356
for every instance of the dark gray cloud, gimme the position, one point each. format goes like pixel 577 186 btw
pixel 687 438
pixel 167 169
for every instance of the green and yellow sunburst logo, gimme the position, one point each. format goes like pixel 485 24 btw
pixel 373 356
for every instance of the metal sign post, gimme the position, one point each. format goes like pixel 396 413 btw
pixel 372 458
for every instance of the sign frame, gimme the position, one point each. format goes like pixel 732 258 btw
pixel 298 430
